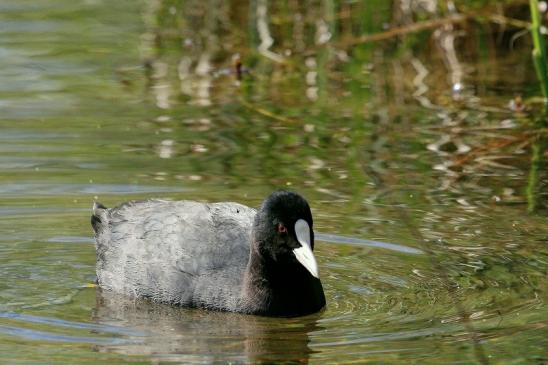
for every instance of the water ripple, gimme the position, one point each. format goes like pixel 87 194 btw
pixel 326 237
pixel 70 324
pixel 49 336
pixel 71 239
pixel 64 189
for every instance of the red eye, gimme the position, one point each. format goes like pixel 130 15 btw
pixel 281 228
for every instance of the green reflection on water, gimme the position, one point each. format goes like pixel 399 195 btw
pixel 137 99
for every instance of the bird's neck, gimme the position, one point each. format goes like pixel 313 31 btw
pixel 257 275
pixel 273 288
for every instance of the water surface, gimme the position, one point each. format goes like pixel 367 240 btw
pixel 414 162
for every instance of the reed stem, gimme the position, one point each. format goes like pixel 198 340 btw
pixel 539 50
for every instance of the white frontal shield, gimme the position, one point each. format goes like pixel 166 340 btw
pixel 304 253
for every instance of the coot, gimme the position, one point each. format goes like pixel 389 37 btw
pixel 219 256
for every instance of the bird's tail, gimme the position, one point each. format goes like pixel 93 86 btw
pixel 97 216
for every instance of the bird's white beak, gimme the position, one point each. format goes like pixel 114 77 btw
pixel 304 253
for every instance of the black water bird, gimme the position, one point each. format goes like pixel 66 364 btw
pixel 219 256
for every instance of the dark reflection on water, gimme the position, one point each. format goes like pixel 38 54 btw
pixel 201 337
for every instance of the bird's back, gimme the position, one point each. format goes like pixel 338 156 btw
pixel 178 252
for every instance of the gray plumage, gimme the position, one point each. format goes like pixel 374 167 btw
pixel 172 251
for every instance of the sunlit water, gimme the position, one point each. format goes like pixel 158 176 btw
pixel 426 251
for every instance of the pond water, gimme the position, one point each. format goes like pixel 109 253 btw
pixel 414 152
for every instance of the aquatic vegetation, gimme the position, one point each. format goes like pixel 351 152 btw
pixel 539 50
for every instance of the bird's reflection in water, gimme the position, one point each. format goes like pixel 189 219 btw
pixel 167 333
